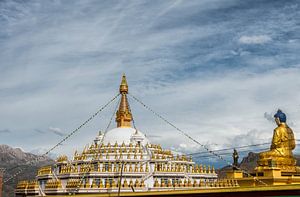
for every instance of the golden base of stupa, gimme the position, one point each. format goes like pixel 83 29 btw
pixel 278 190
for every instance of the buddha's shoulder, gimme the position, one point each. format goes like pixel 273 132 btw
pixel 281 128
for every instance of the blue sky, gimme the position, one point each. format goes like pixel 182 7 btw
pixel 216 69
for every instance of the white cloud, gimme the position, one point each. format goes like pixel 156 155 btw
pixel 258 39
pixel 184 148
pixel 56 131
pixel 41 151
pixel 251 137
pixel 269 117
pixel 60 62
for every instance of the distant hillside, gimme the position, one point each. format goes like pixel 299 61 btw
pixel 248 163
pixel 14 159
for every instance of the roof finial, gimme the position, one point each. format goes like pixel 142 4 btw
pixel 124 85
pixel 124 116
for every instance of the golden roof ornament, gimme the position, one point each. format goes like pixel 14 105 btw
pixel 124 116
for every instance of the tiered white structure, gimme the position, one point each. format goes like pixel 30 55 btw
pixel 122 160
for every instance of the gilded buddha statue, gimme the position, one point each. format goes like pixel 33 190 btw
pixel 283 143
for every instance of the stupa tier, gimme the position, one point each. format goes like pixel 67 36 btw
pixel 136 168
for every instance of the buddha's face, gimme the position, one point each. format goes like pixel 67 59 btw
pixel 277 121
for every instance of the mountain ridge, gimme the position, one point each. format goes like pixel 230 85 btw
pixel 14 160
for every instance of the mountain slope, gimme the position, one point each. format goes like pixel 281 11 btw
pixel 14 160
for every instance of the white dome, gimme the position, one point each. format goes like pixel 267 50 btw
pixel 123 134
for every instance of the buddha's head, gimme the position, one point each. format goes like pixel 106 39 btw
pixel 280 117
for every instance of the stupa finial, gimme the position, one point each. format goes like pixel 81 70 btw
pixel 124 85
pixel 124 116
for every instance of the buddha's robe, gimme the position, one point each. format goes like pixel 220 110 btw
pixel 283 143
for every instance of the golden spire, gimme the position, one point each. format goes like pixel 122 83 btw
pixel 124 116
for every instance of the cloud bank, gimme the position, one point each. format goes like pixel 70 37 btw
pixel 260 39
pixel 213 68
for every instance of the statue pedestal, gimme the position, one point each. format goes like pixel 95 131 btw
pixel 285 164
pixel 234 174
pixel 273 172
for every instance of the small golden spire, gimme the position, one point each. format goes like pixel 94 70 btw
pixel 124 116
pixel 124 85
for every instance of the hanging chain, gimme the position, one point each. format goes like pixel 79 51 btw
pixel 64 139
pixel 92 160
pixel 119 160
pixel 133 122
pixel 110 120
pixel 194 140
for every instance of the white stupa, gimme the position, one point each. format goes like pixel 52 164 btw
pixel 125 135
pixel 122 160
